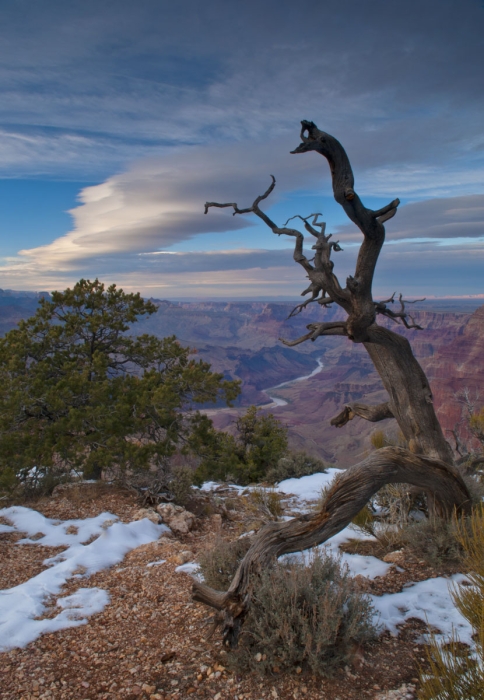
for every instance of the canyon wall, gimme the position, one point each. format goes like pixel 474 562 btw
pixel 241 340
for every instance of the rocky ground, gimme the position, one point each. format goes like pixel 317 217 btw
pixel 151 640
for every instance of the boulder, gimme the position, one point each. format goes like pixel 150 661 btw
pixel 179 520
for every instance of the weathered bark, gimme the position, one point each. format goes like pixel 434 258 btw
pixel 376 413
pixel 427 463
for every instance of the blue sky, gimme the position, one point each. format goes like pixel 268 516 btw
pixel 118 120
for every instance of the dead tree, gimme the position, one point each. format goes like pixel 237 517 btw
pixel 428 461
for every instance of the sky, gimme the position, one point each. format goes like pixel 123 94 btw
pixel 118 120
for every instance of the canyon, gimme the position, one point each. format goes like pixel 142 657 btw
pixel 241 341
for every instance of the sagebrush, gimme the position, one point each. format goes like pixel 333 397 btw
pixel 307 616
pixel 218 565
pixel 294 465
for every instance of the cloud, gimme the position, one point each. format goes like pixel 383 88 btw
pixel 442 218
pixel 397 84
pixel 128 229
pixel 189 102
pixel 159 202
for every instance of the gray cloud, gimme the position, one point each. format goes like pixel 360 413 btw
pixel 396 82
pixel 448 217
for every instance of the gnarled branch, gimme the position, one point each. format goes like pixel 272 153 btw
pixel 317 329
pixel 398 316
pixel 346 497
pixel 381 411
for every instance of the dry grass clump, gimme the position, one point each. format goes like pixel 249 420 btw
pixel 388 518
pixel 393 524
pixel 265 503
pixel 457 672
pixel 303 617
pixel 218 565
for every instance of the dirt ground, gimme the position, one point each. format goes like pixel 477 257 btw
pixel 151 640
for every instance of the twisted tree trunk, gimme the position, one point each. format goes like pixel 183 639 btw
pixel 427 463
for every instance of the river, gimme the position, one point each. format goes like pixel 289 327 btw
pixel 275 400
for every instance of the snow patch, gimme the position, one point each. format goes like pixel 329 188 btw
pixel 190 568
pixel 357 564
pixel 308 488
pixel 22 605
pixel 429 601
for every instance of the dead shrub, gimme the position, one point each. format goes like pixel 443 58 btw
pixel 266 503
pixel 180 484
pixel 303 616
pixel 388 516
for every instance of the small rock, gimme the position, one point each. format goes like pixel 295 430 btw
pixel 183 557
pixel 150 689
pixel 147 513
pixel 396 557
pixel 258 657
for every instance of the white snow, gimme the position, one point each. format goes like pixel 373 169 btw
pixel 368 566
pixel 190 568
pixel 429 601
pixel 308 488
pixel 22 604
pixel 156 563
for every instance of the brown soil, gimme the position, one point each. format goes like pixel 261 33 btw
pixel 151 640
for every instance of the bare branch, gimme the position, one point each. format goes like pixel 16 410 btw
pixel 321 273
pixel 386 213
pixel 323 301
pixel 248 210
pixel 254 209
pixel 373 414
pixel 317 329
pixel 398 316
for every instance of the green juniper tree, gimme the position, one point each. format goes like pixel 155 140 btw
pixel 78 392
pixel 259 443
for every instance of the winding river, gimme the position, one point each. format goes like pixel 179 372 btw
pixel 276 401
